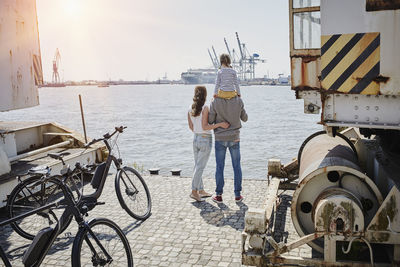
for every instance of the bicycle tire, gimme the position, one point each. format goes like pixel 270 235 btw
pixel 129 191
pixel 24 198
pixel 82 253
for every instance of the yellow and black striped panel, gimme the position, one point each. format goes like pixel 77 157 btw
pixel 37 66
pixel 350 62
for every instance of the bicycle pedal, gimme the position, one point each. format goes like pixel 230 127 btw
pixel 68 234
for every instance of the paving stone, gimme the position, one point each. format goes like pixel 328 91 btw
pixel 179 232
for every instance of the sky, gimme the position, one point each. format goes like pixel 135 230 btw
pixel 146 39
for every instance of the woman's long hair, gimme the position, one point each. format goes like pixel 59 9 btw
pixel 200 94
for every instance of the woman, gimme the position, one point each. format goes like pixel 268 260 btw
pixel 202 141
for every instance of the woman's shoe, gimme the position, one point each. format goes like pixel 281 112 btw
pixel 197 198
pixel 205 194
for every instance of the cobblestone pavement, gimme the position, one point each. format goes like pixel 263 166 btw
pixel 179 232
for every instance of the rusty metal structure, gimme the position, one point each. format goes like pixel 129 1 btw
pixel 345 65
pixel 20 61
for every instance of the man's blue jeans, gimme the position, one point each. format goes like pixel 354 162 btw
pixel 220 152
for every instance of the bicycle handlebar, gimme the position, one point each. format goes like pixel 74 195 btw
pixel 107 136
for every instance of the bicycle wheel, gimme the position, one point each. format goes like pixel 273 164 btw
pixel 101 243
pixel 27 196
pixel 133 194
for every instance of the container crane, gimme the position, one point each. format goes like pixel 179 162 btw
pixel 216 57
pixel 227 48
pixel 56 64
pixel 215 64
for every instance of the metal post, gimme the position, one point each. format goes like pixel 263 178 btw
pixel 329 249
pixel 83 118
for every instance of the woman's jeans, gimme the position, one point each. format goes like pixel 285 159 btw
pixel 201 149
pixel 220 152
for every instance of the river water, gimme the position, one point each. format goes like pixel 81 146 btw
pixel 156 117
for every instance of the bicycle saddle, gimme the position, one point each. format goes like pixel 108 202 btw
pixel 58 155
pixel 44 170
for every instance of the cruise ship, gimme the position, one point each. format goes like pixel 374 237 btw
pixel 199 76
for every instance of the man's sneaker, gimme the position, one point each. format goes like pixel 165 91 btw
pixel 238 199
pixel 217 199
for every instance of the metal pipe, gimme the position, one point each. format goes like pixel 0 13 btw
pixel 83 118
pixel 40 150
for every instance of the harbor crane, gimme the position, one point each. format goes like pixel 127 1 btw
pixel 215 63
pixel 216 57
pixel 56 64
pixel 247 61
pixel 244 63
pixel 227 48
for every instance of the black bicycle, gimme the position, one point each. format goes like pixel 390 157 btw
pixel 99 242
pixel 36 191
pixel 132 191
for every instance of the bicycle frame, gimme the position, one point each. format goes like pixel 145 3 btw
pixel 110 159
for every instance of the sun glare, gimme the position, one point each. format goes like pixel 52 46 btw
pixel 72 7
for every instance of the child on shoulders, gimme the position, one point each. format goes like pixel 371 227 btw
pixel 226 84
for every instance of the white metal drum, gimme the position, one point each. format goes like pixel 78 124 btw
pixel 329 164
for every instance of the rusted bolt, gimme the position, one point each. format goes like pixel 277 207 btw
pixel 367 107
pixel 310 108
pixel 376 108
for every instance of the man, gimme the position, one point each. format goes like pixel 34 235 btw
pixel 232 111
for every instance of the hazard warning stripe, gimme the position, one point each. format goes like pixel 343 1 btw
pixel 329 43
pixel 350 62
pixel 356 63
pixel 366 80
pixel 353 41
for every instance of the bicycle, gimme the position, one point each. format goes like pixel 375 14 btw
pixel 30 194
pixel 128 190
pixel 99 242
pixel 130 187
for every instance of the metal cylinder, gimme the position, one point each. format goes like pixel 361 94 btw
pixel 330 179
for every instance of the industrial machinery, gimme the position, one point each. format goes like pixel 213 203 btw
pixel 345 65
